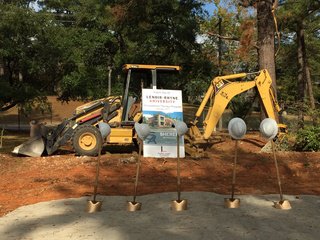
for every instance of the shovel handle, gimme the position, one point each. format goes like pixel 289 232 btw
pixel 277 169
pixel 137 171
pixel 234 169
pixel 178 169
pixel 95 187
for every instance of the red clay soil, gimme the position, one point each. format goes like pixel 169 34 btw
pixel 26 180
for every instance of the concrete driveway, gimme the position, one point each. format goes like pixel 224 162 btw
pixel 206 218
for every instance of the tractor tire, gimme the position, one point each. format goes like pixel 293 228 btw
pixel 87 140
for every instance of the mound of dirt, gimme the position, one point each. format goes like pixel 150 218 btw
pixel 26 180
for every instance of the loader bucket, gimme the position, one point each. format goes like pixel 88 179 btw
pixel 34 147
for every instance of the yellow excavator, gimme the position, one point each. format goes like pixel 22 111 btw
pixel 220 92
pixel 121 112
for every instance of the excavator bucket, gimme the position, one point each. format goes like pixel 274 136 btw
pixel 34 147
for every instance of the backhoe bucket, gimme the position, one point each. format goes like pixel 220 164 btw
pixel 34 147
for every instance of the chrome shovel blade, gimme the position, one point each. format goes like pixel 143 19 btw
pixel 34 147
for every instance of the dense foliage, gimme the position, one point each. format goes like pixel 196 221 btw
pixel 296 46
pixel 308 139
pixel 68 48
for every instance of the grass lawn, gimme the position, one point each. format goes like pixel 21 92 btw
pixel 11 139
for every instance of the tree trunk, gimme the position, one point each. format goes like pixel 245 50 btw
pixel 1 68
pixel 301 82
pixel 266 49
pixel 109 80
pixel 306 71
pixel 309 85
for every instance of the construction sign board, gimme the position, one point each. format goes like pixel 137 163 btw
pixel 160 108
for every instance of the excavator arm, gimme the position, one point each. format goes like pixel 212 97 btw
pixel 220 92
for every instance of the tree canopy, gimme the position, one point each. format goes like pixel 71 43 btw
pixel 68 48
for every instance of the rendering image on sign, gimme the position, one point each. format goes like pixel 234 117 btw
pixel 161 108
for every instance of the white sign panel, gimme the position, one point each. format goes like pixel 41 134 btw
pixel 160 109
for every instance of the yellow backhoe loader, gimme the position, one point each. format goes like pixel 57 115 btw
pixel 121 112
pixel 220 92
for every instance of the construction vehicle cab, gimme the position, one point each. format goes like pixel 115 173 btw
pixel 120 112
pixel 139 76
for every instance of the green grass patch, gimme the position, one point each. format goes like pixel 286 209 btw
pixel 12 139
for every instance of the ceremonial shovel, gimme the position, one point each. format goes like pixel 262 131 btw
pixel 237 129
pixel 143 131
pixel 179 205
pixel 94 205
pixel 269 130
